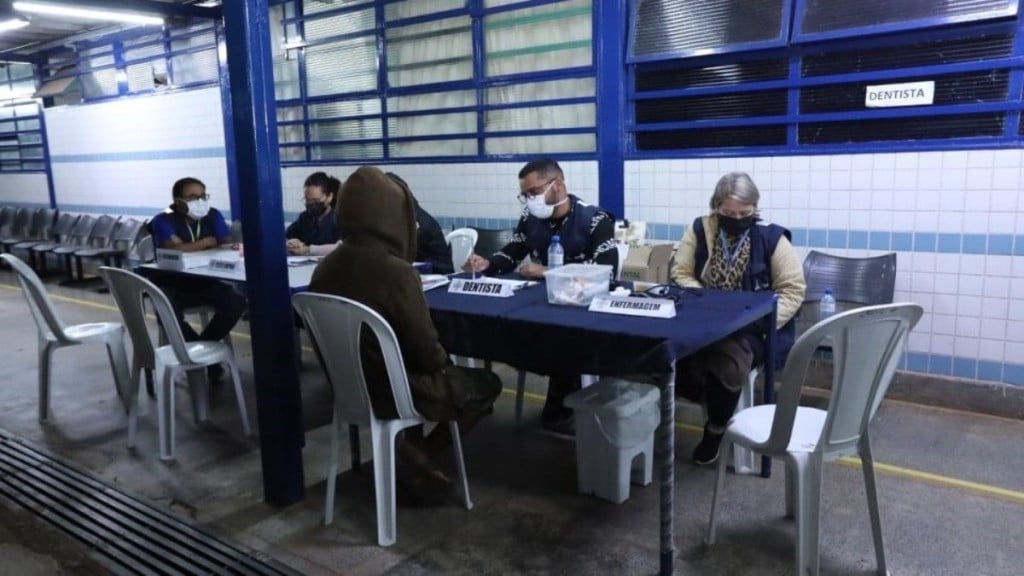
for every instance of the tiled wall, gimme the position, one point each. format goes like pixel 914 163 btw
pixel 955 220
pixel 121 157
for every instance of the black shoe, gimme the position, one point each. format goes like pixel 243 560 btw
pixel 557 419
pixel 707 451
pixel 214 374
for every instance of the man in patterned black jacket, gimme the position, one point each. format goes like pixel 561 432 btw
pixel 587 235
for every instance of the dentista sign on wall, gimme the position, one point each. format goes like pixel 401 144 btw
pixel 905 94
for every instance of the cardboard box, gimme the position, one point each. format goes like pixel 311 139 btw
pixel 647 263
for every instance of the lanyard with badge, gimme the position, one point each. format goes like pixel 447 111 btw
pixel 730 255
pixel 195 233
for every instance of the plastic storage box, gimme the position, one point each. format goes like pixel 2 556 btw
pixel 577 284
pixel 615 424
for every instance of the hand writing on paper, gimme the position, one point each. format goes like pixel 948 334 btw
pixel 476 263
pixel 296 247
pixel 532 270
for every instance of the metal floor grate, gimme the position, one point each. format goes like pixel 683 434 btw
pixel 126 535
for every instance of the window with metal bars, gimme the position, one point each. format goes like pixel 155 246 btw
pixel 806 97
pixel 137 61
pixel 22 138
pixel 407 80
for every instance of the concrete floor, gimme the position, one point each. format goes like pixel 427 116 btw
pixel 951 488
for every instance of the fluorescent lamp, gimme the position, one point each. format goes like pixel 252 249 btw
pixel 87 13
pixel 12 24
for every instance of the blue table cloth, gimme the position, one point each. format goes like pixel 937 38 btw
pixel 527 332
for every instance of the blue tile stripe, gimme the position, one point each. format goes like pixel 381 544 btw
pixel 139 155
pixel 900 241
pixel 451 222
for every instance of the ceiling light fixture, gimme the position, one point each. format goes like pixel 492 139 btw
pixel 12 24
pixel 88 13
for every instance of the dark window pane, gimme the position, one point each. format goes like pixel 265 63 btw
pixel 652 78
pixel 902 129
pixel 928 53
pixel 966 88
pixel 712 138
pixel 745 105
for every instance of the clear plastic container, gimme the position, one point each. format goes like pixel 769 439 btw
pixel 577 284
pixel 624 413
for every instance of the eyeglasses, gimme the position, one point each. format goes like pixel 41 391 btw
pixel 193 198
pixel 536 191
pixel 737 215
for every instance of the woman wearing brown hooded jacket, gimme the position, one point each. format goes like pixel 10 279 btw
pixel 373 266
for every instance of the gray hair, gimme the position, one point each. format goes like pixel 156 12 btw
pixel 736 185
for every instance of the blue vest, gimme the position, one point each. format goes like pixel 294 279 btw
pixel 574 233
pixel 758 275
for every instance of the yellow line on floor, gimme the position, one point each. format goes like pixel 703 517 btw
pixel 939 480
pixel 880 468
pixel 887 469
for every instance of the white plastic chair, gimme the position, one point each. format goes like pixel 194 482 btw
pixel 866 349
pixel 129 290
pixel 462 241
pixel 53 334
pixel 147 253
pixel 335 325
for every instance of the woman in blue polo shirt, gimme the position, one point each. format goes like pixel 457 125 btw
pixel 315 232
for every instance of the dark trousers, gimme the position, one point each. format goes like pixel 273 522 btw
pixel 560 386
pixel 227 304
pixel 715 375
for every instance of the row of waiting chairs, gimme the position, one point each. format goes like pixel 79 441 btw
pixel 74 238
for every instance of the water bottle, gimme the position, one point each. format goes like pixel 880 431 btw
pixel 556 255
pixel 827 305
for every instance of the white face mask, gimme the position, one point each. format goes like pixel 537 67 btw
pixel 538 207
pixel 197 209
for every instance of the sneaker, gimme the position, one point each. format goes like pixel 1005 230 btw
pixel 707 450
pixel 558 420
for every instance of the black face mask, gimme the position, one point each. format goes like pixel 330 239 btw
pixel 316 209
pixel 736 226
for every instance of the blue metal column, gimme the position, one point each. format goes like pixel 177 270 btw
pixel 275 366
pixel 41 111
pixel 230 150
pixel 610 19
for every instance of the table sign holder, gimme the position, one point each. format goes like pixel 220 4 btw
pixel 480 287
pixel 633 306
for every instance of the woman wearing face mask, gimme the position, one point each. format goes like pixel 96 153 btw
pixel 315 232
pixel 729 249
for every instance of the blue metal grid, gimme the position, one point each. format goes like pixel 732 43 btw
pixel 1007 108
pixel 114 49
pixel 23 145
pixel 479 83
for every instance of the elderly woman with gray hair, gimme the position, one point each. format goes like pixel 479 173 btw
pixel 730 249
